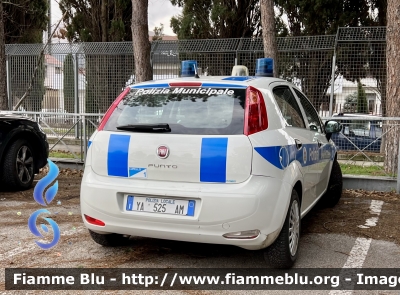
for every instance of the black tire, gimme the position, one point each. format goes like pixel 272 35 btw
pixel 109 240
pixel 335 186
pixel 18 165
pixel 280 254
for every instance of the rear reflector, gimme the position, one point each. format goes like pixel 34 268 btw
pixel 112 108
pixel 94 221
pixel 255 118
pixel 185 84
pixel 247 234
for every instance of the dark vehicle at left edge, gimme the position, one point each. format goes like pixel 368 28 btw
pixel 23 151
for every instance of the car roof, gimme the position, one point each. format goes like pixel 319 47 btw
pixel 228 80
pixel 6 116
pixel 356 115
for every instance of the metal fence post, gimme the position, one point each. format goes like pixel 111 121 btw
pixel 76 94
pixel 332 85
pixel 8 82
pixel 83 155
pixel 333 73
pixel 239 47
pixel 398 170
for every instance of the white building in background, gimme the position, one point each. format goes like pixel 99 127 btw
pixel 343 88
pixel 54 83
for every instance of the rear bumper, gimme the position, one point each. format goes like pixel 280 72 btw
pixel 259 203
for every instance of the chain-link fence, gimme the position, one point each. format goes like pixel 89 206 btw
pixel 85 78
pixel 361 71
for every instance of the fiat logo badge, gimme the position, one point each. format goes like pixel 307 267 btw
pixel 163 152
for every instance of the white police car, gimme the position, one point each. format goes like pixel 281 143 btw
pixel 232 160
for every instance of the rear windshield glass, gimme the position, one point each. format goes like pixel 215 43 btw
pixel 185 110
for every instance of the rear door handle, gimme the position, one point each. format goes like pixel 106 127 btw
pixel 299 144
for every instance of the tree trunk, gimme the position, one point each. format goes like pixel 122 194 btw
pixel 140 39
pixel 268 31
pixel 3 73
pixel 393 83
pixel 104 20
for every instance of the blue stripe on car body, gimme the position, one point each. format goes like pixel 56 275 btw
pixel 213 159
pixel 309 154
pixel 117 157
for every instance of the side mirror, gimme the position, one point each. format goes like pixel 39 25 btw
pixel 332 127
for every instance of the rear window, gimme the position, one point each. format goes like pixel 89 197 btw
pixel 207 111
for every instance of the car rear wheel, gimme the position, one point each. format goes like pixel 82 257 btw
pixel 335 186
pixel 109 240
pixel 283 252
pixel 18 165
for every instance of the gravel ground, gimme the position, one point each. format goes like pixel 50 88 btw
pixel 76 249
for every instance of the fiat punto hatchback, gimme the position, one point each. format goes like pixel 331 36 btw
pixel 235 160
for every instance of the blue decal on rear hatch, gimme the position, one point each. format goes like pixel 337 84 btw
pixel 213 159
pixel 117 158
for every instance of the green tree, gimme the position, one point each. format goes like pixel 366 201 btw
pixel 158 33
pixel 350 103
pixel 69 90
pixel 101 21
pixel 208 19
pixel 97 20
pixel 321 17
pixel 362 104
pixel 24 22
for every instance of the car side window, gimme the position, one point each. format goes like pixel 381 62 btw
pixel 312 116
pixel 288 106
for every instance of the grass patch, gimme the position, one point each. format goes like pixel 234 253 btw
pixel 346 168
pixel 61 154
pixel 364 170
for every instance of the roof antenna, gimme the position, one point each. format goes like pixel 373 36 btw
pixel 195 71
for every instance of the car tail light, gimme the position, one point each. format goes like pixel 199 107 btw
pixel 255 118
pixel 94 221
pixel 112 108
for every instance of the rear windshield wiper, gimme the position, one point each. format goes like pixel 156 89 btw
pixel 162 127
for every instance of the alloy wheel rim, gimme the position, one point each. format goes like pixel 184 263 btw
pixel 294 228
pixel 24 164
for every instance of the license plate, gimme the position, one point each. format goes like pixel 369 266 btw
pixel 160 205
